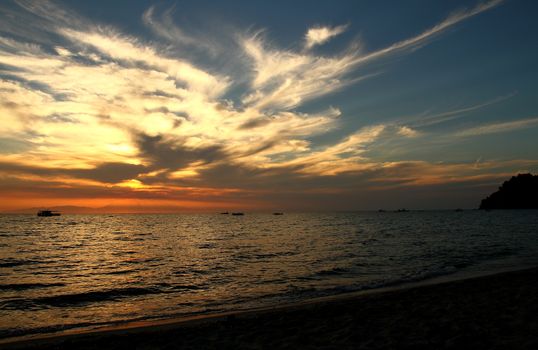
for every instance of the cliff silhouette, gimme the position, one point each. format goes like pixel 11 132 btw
pixel 520 192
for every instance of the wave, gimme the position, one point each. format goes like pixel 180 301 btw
pixel 295 293
pixel 24 331
pixel 178 287
pixel 26 286
pixel 336 271
pixel 85 298
pixel 76 299
pixel 10 262
pixel 17 332
pixel 207 246
pixel 120 272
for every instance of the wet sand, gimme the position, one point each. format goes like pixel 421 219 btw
pixel 491 312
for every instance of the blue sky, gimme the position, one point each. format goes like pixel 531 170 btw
pixel 253 104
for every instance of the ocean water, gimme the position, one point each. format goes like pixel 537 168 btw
pixel 82 271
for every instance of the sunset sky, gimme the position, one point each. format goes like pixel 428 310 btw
pixel 147 106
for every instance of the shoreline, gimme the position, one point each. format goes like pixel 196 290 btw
pixel 327 310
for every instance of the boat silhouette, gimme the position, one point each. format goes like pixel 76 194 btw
pixel 48 213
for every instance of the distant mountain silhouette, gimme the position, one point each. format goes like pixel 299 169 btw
pixel 520 192
pixel 109 209
pixel 64 209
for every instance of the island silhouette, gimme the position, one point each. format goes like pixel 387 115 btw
pixel 520 192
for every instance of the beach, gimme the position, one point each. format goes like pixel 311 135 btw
pixel 498 311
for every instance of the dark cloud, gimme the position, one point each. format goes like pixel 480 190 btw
pixel 104 172
pixel 109 172
pixel 162 109
pixel 60 118
pixel 170 154
pixel 234 175
pixel 180 117
pixel 57 189
pixel 9 104
pixel 9 68
pixel 10 145
pixel 255 123
pixel 261 147
pixel 282 189
pixel 287 197
pixel 160 93
pixel 13 186
pixel 34 85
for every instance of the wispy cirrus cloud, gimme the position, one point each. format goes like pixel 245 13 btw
pixel 437 118
pixel 431 33
pixel 499 127
pixel 165 27
pixel 162 25
pixel 286 79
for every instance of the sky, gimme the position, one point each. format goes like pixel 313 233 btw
pixel 142 106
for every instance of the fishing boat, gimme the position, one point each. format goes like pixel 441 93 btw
pixel 238 214
pixel 48 213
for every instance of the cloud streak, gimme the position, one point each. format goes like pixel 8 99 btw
pixel 438 118
pixel 500 127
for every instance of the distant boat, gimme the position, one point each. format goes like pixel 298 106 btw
pixel 224 213
pixel 48 213
pixel 278 213
pixel 238 214
pixel 403 210
pixel 382 210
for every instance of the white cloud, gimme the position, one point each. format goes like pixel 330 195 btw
pixel 320 35
pixel 286 79
pixel 407 131
pixel 125 48
pixel 341 157
pixel 494 128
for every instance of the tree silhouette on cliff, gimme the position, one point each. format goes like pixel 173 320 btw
pixel 520 192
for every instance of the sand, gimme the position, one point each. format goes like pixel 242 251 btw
pixel 491 312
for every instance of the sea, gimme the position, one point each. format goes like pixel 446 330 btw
pixel 78 272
